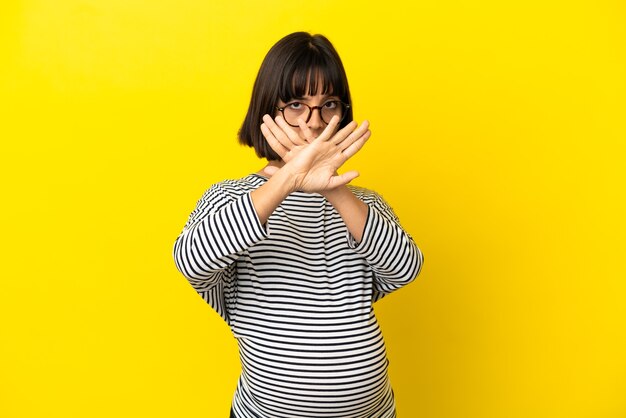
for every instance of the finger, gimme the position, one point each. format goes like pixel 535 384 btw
pixel 349 133
pixel 353 136
pixel 356 146
pixel 289 131
pixel 277 132
pixel 343 179
pixel 275 144
pixel 330 129
pixel 306 131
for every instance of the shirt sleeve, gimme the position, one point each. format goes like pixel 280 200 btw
pixel 389 250
pixel 218 230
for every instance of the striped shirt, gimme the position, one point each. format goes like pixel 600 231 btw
pixel 297 294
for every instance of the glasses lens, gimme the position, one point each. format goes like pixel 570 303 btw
pixel 332 108
pixel 294 111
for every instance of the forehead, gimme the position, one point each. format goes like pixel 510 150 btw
pixel 319 94
pixel 313 82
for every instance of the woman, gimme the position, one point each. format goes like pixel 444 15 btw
pixel 291 257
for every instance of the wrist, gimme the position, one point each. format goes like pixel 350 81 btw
pixel 352 210
pixel 285 180
pixel 336 194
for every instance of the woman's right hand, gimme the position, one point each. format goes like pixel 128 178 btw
pixel 282 137
pixel 312 163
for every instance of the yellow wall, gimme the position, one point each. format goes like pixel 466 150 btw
pixel 498 136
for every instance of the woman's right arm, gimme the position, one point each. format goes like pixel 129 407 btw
pixel 224 225
pixel 221 227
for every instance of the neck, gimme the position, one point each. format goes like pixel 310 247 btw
pixel 271 163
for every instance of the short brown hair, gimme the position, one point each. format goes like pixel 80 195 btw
pixel 292 68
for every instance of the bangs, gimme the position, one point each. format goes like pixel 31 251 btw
pixel 311 74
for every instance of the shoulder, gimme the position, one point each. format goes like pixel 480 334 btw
pixel 369 197
pixel 233 189
pixel 373 200
pixel 366 195
pixel 227 191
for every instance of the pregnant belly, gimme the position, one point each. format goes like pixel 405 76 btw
pixel 315 374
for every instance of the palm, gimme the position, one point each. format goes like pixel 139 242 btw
pixel 313 165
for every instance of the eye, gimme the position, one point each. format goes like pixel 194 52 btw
pixel 294 106
pixel 331 104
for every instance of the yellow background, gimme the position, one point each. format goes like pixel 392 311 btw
pixel 498 137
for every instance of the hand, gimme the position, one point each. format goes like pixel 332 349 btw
pixel 282 138
pixel 312 163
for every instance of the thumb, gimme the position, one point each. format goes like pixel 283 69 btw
pixel 343 179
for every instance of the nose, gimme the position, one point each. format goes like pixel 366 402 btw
pixel 315 121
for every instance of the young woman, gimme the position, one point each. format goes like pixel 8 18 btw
pixel 291 257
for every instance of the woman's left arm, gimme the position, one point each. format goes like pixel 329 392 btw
pixel 353 211
pixel 390 251
pixel 374 230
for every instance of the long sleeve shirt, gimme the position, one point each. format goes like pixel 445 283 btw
pixel 297 294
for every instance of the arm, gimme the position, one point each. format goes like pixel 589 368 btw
pixel 312 167
pixel 352 210
pixel 267 197
pixel 374 230
pixel 222 225
pixel 389 250
pixel 288 144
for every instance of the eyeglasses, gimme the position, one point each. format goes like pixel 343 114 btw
pixel 298 110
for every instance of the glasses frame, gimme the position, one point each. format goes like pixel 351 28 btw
pixel 312 108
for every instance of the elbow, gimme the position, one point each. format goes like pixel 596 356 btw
pixel 185 261
pixel 418 263
pixel 182 262
pixel 412 268
pixel 200 273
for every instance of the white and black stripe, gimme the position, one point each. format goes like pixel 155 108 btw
pixel 297 294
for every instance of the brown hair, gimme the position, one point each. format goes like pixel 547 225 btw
pixel 293 68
